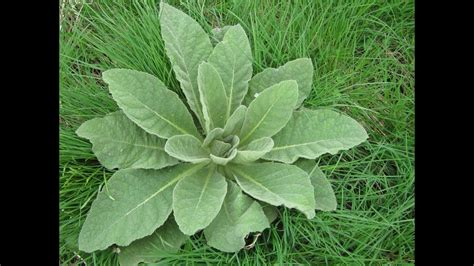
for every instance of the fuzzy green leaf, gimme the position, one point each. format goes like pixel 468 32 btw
pixel 198 198
pixel 269 112
pixel 254 150
pixel 218 34
pixel 213 97
pixel 323 193
pixel 277 184
pixel 219 147
pixel 224 160
pixel 132 198
pixel 119 143
pixel 300 70
pixel 148 103
pixel 311 133
pixel 235 121
pixel 239 216
pixel 164 241
pixel 270 211
pixel 187 148
pixel 232 58
pixel 187 46
pixel 214 134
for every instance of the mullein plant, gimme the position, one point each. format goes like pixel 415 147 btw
pixel 253 148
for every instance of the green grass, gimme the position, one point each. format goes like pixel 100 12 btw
pixel 363 54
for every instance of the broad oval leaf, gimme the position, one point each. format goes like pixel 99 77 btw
pixel 132 198
pixel 198 198
pixel 213 97
pixel 165 241
pixel 235 121
pixel 119 143
pixel 187 148
pixel 254 150
pixel 187 45
pixel 232 58
pixel 269 112
pixel 239 216
pixel 277 184
pixel 300 69
pixel 323 193
pixel 148 103
pixel 311 133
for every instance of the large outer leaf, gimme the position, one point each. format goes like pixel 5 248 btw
pixel 164 241
pixel 198 198
pixel 323 193
pixel 148 103
pixel 187 148
pixel 311 133
pixel 119 143
pixel 232 58
pixel 235 121
pixel 239 216
pixel 300 70
pixel 187 45
pixel 254 151
pixel 269 112
pixel 213 97
pixel 277 184
pixel 132 205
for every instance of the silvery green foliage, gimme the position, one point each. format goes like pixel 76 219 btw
pixel 223 176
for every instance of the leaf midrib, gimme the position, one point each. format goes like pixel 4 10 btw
pixel 131 144
pixel 174 180
pixel 258 184
pixel 180 54
pixel 261 120
pixel 160 116
pixel 310 143
pixel 204 189
pixel 231 93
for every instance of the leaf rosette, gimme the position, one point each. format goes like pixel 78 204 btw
pixel 252 149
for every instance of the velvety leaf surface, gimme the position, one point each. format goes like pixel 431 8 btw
pixel 147 102
pixel 239 216
pixel 218 34
pixel 300 70
pixel 164 241
pixel 235 121
pixel 277 184
pixel 311 133
pixel 198 198
pixel 216 133
pixel 254 150
pixel 323 193
pixel 220 160
pixel 187 148
pixel 131 205
pixel 269 112
pixel 187 46
pixel 119 143
pixel 232 58
pixel 270 211
pixel 213 97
